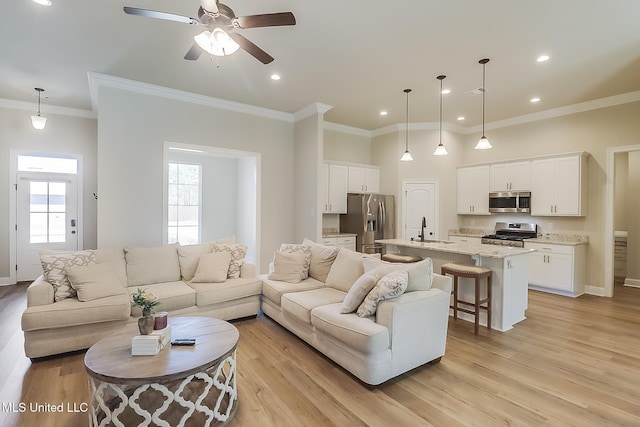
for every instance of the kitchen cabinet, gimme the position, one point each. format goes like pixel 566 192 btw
pixel 334 188
pixel 466 239
pixel 558 186
pixel 348 242
pixel 473 190
pixel 556 268
pixel 510 176
pixel 364 179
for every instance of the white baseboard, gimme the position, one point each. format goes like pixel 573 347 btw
pixel 595 290
pixel 5 281
pixel 634 283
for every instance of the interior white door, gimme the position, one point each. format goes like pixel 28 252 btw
pixel 46 218
pixel 420 200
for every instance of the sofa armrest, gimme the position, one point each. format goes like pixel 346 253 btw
pixel 40 292
pixel 445 283
pixel 247 270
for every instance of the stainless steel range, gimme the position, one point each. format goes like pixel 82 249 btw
pixel 511 234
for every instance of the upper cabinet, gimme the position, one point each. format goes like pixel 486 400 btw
pixel 558 186
pixel 334 188
pixel 473 190
pixel 510 176
pixel 364 179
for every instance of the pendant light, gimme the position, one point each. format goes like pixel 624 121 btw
pixel 440 150
pixel 406 157
pixel 38 121
pixel 483 143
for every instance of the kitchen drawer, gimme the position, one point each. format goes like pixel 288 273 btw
pixel 547 247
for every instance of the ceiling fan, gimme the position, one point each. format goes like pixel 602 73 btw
pixel 220 37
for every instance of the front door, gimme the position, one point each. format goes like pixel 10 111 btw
pixel 46 219
pixel 420 200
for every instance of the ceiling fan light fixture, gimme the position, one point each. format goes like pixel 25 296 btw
pixel 38 122
pixel 483 143
pixel 216 43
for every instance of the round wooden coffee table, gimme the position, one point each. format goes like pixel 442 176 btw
pixel 179 386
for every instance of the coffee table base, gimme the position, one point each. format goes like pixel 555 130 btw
pixel 206 398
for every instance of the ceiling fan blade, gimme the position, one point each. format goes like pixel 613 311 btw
pixel 251 48
pixel 193 53
pixel 210 5
pixel 160 15
pixel 266 20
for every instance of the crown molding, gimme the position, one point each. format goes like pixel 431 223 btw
pixel 47 109
pixel 97 79
pixel 310 110
pixel 347 129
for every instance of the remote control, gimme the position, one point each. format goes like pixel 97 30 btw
pixel 183 341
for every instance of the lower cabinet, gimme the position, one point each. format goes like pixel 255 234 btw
pixel 559 269
pixel 348 242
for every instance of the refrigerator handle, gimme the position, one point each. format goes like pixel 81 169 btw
pixel 384 214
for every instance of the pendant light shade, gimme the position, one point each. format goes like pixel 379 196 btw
pixel 483 143
pixel 440 150
pixel 38 122
pixel 406 157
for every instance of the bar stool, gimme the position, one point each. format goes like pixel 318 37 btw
pixel 403 258
pixel 476 273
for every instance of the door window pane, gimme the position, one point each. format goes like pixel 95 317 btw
pixel 47 212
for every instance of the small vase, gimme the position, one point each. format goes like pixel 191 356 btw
pixel 145 324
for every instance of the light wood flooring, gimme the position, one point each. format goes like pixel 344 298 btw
pixel 572 362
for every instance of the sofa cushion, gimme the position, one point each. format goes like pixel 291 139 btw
pixel 345 270
pixel 293 248
pixel 232 289
pixel 300 304
pixel 94 281
pixel 146 266
pixel 288 267
pixel 359 291
pixel 189 257
pixel 54 265
pixel 322 258
pixel 362 334
pixel 212 268
pixel 237 252
pixel 115 258
pixel 420 273
pixel 390 286
pixel 172 296
pixel 274 289
pixel 71 312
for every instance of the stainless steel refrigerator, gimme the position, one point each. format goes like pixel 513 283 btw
pixel 371 217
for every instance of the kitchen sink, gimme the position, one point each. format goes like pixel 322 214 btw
pixel 447 242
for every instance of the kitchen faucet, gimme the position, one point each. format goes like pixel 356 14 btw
pixel 424 225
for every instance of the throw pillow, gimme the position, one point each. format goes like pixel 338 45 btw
pixel 94 281
pixel 288 267
pixel 237 252
pixel 293 248
pixel 322 258
pixel 390 286
pixel 189 256
pixel 420 273
pixel 359 291
pixel 345 270
pixel 212 268
pixel 54 265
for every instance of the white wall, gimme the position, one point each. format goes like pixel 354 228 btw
pixel 308 160
pixel 62 135
pixel 346 147
pixel 633 226
pixel 132 130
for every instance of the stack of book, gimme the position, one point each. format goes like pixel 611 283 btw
pixel 150 345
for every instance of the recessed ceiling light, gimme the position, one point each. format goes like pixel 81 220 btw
pixel 42 2
pixel 460 118
pixel 543 58
pixel 383 113
pixel 534 99
pixel 446 91
pixel 275 77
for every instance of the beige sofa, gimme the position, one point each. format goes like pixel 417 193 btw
pixel 405 332
pixel 53 327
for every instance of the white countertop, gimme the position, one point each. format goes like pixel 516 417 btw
pixel 464 248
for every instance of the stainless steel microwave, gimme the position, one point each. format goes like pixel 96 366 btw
pixel 510 201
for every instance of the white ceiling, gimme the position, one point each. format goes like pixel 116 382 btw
pixel 355 55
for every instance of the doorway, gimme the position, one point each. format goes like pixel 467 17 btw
pixel 419 200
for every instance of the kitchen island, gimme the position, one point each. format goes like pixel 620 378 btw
pixel 510 267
